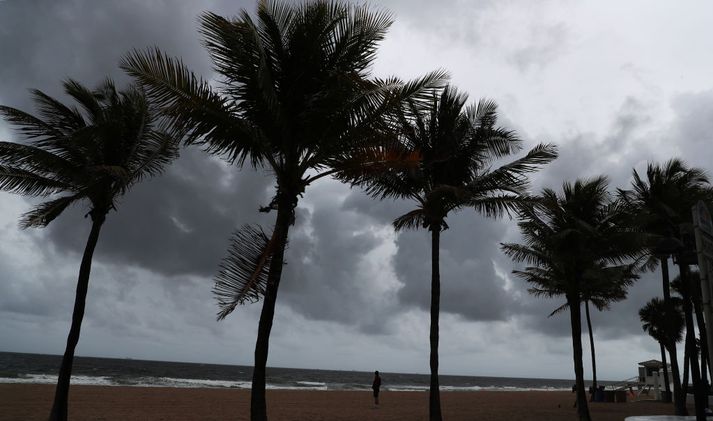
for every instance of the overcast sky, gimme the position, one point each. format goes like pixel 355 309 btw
pixel 613 84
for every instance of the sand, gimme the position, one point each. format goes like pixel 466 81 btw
pixel 32 402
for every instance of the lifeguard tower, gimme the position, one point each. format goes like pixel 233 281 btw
pixel 647 370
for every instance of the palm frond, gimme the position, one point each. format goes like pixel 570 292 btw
pixel 204 116
pixel 243 272
pixel 21 181
pixel 46 212
pixel 411 220
pixel 559 309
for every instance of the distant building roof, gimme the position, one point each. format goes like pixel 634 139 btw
pixel 651 364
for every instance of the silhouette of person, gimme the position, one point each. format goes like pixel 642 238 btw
pixel 375 385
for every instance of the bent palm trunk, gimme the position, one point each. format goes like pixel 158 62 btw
pixel 703 334
pixel 699 394
pixel 667 385
pixel 591 345
pixel 679 396
pixel 576 322
pixel 59 407
pixel 434 407
pixel 258 404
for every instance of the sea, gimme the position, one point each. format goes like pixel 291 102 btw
pixel 42 369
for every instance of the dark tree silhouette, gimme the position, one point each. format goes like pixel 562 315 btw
pixel 601 293
pixel 92 154
pixel 694 295
pixel 663 202
pixel 663 321
pixel 572 242
pixel 294 97
pixel 453 146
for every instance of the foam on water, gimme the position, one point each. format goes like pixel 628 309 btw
pixel 42 369
pixel 52 379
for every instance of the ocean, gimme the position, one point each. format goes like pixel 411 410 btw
pixel 38 368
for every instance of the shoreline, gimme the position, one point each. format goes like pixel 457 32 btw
pixel 131 403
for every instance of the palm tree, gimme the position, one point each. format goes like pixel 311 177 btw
pixel 92 154
pixel 454 146
pixel 663 321
pixel 663 202
pixel 294 97
pixel 602 292
pixel 571 242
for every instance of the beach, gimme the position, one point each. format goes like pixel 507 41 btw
pixel 27 402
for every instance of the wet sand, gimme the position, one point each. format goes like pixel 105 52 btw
pixel 32 402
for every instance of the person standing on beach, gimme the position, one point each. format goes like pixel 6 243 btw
pixel 375 385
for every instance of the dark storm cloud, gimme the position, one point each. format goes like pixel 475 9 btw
pixel 326 278
pixel 176 223
pixel 158 252
pixel 586 155
pixel 44 42
pixel 469 285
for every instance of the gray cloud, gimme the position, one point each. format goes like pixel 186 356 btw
pixel 350 282
pixel 546 44
pixel 469 285
pixel 176 223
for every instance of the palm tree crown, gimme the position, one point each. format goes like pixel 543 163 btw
pixel 663 320
pixel 575 241
pixel 93 153
pixel 663 200
pixel 454 146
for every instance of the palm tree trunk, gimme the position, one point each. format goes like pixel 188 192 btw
pixel 686 371
pixel 666 279
pixel 258 404
pixel 434 404
pixel 59 407
pixel 591 345
pixel 576 321
pixel 679 396
pixel 666 381
pixel 679 393
pixel 698 390
pixel 703 334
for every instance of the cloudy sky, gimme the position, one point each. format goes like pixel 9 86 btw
pixel 614 84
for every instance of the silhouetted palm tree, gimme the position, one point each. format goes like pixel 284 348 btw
pixel 663 203
pixel 454 147
pixel 294 97
pixel 570 242
pixel 92 154
pixel 694 294
pixel 663 321
pixel 602 292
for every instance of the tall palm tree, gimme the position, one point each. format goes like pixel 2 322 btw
pixel 663 321
pixel 571 241
pixel 454 146
pixel 93 155
pixel 295 97
pixel 663 202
